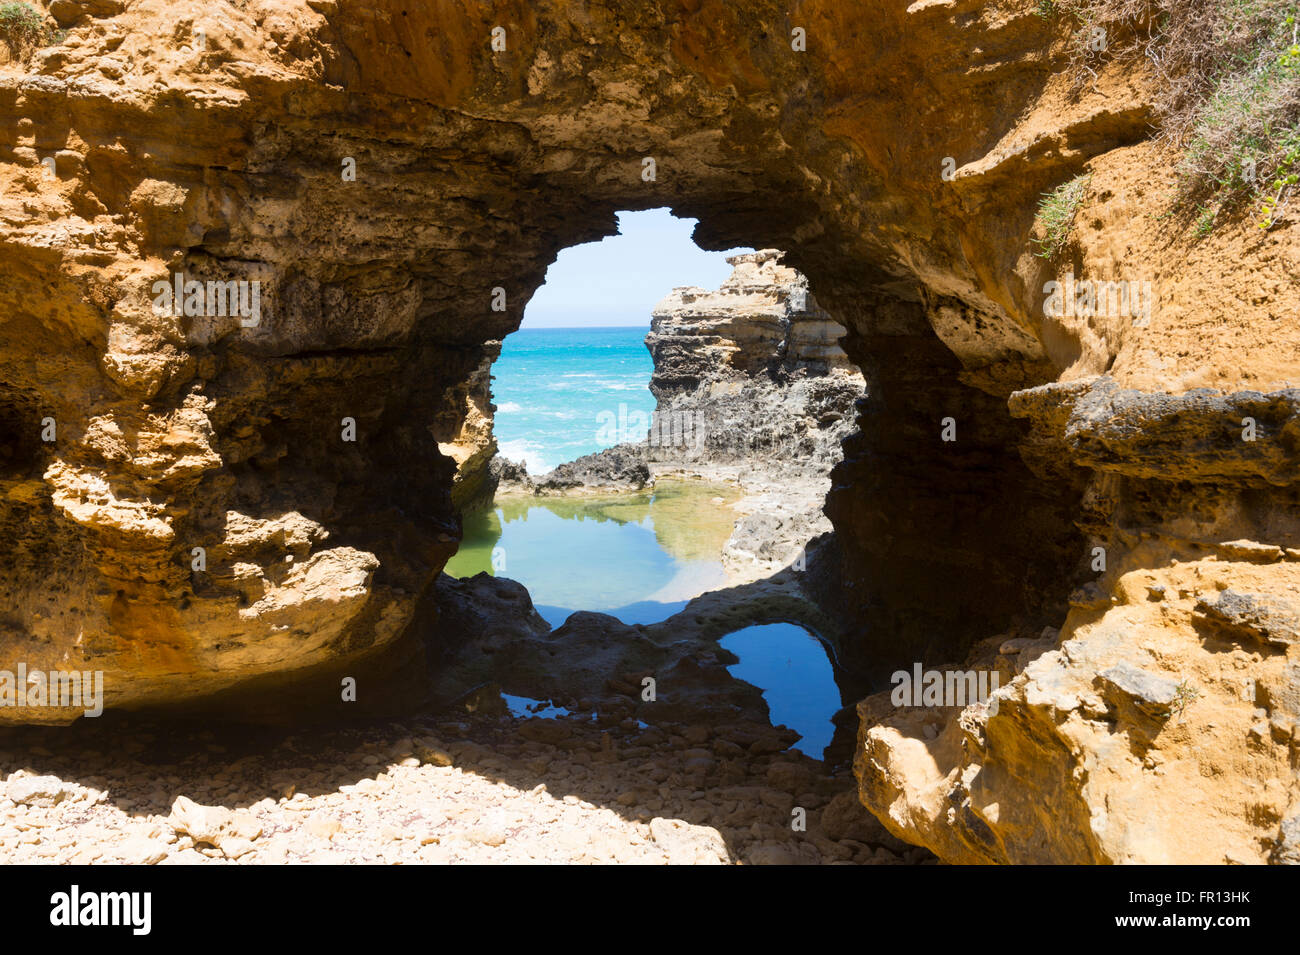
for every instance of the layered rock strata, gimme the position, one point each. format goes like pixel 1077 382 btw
pixel 752 386
pixel 750 379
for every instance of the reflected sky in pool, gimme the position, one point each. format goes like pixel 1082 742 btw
pixel 792 668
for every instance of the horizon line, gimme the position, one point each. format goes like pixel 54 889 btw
pixel 573 328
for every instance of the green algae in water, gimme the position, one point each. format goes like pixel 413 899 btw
pixel 639 555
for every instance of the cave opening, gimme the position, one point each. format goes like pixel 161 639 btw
pixel 663 426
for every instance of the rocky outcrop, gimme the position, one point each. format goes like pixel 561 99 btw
pixel 464 433
pixel 751 388
pixel 593 662
pixel 620 468
pixel 750 381
pixel 1173 682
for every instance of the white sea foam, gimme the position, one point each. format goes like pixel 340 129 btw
pixel 509 407
pixel 527 451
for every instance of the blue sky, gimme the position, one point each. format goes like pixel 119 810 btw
pixel 618 280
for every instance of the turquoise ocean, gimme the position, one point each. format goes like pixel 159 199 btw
pixel 559 390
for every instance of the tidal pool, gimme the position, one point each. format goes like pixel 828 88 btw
pixel 791 666
pixel 638 556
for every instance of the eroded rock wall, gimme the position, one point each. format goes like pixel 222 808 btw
pixel 1160 724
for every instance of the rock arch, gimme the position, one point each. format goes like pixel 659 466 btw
pixel 473 167
pixel 223 159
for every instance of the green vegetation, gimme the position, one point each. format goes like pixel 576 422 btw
pixel 1205 224
pixel 1184 696
pixel 1229 73
pixel 23 29
pixel 1056 211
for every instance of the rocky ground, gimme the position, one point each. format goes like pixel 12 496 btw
pixel 470 788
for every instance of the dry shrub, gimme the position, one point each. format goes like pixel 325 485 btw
pixel 1229 86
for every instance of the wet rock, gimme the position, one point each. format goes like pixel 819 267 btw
pixel 620 468
pixel 510 475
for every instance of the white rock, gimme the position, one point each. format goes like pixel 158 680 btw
pixel 38 791
pixel 687 844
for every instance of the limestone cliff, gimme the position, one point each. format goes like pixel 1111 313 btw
pixel 750 378
pixel 752 386
pixel 397 176
pixel 464 432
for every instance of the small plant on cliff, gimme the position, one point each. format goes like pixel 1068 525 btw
pixel 1286 175
pixel 22 28
pixel 1185 694
pixel 1205 223
pixel 1056 211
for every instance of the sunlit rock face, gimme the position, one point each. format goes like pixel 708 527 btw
pixel 1160 724
pixel 750 379
pixel 396 178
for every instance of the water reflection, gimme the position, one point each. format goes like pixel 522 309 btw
pixel 790 665
pixel 638 556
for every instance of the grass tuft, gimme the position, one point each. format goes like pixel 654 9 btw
pixel 23 29
pixel 1056 211
pixel 1229 89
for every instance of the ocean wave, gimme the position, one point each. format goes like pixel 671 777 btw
pixel 527 451
pixel 509 407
